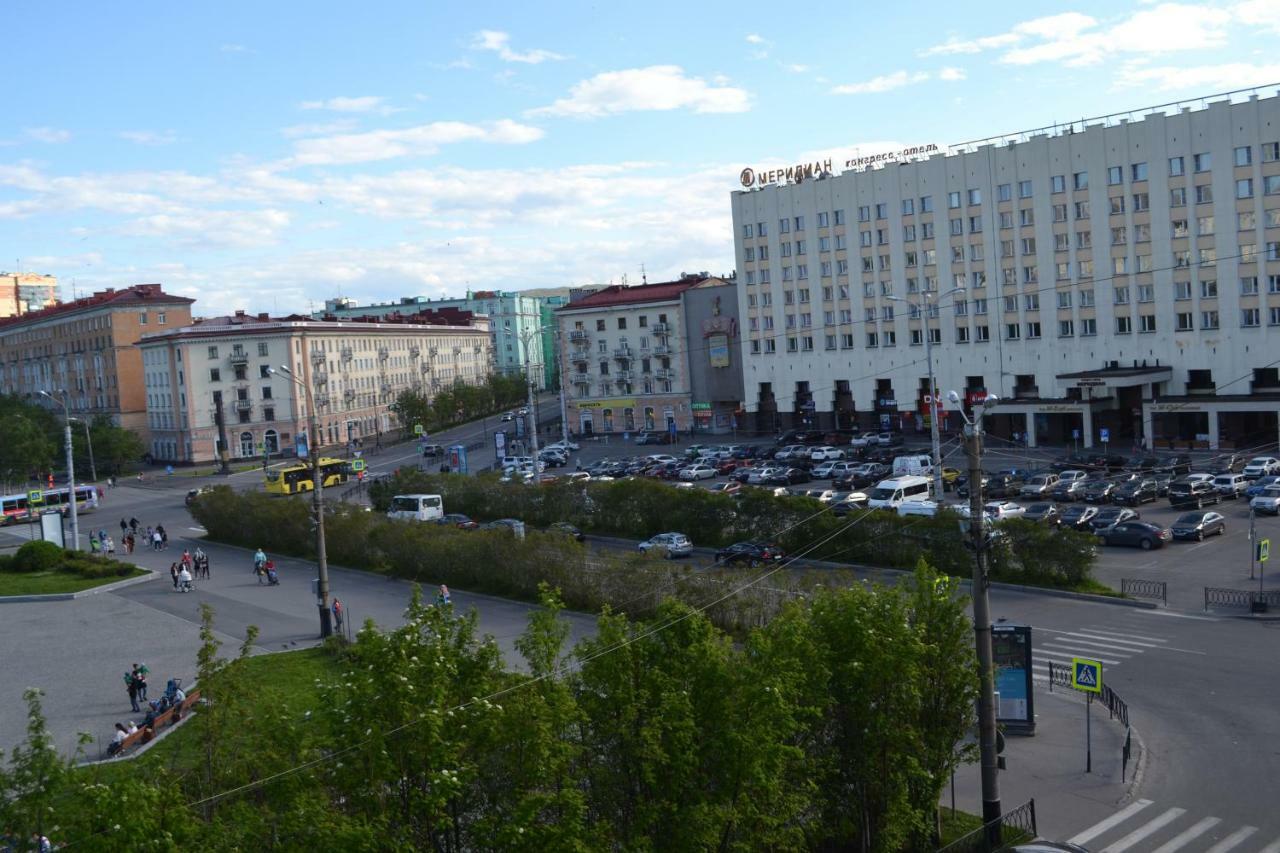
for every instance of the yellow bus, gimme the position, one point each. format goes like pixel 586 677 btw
pixel 296 477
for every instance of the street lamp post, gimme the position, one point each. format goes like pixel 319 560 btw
pixel 71 469
pixel 987 741
pixel 322 555
pixel 932 396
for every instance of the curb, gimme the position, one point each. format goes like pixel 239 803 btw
pixel 84 593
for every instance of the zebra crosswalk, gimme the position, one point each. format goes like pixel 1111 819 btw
pixel 1097 642
pixel 1144 827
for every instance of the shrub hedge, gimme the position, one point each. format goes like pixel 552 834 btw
pixel 1026 552
pixel 43 556
pixel 39 556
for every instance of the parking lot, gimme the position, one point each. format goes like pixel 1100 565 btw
pixel 1187 566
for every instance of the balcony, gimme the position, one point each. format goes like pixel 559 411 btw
pixel 383 354
pixel 623 354
pixel 415 352
pixel 433 352
pixel 660 329
pixel 239 357
pixel 578 378
pixel 581 357
pixel 664 373
pixel 386 388
pixel 579 336
pixel 321 399
pixel 623 376
pixel 662 349
pixel 347 354
pixel 425 367
pixel 320 377
pixel 243 405
pixel 349 394
pixel 317 357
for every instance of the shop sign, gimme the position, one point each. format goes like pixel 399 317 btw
pixel 1091 382
pixel 698 407
pixel 607 404
pixel 1060 408
pixel 1174 407
pixel 888 403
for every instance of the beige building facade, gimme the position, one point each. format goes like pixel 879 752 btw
pixel 24 292
pixel 87 348
pixel 210 387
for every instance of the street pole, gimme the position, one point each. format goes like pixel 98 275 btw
pixel 93 468
pixel 1253 549
pixel 932 400
pixel 71 468
pixel 982 636
pixel 322 554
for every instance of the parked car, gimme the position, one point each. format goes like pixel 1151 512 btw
pixel 668 545
pixel 743 475
pixel 458 520
pixel 1260 485
pixel 510 525
pixel 863 475
pixel 693 451
pixel 567 529
pixel 1109 462
pixel 1071 461
pixel 950 477
pixel 1162 481
pixel 1110 516
pixel 1043 512
pixel 1230 486
pixel 1136 534
pixel 1197 525
pixel 1141 464
pixel 727 488
pixel 698 471
pixel 763 475
pixel 1268 501
pixel 1000 510
pixel 1078 516
pixel 567 446
pixel 926 508
pixel 193 494
pixel 865 440
pixel 833 469
pixel 994 486
pixel 1196 493
pixel 788 476
pixel 1039 486
pixel 890 439
pixel 1099 491
pixel 653 438
pixel 1067 491
pixel 1226 463
pixel 1261 466
pixel 751 553
pixel 792 452
pixel 1175 465
pixel 1136 492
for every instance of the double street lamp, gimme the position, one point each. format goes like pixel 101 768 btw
pixel 71 468
pixel 932 396
pixel 317 476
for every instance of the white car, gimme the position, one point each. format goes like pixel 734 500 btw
pixel 565 446
pixel 1268 501
pixel 668 544
pixel 867 439
pixel 661 458
pixel 760 475
pixel 1198 478
pixel 698 471
pixel 1261 466
pixel 1072 475
pixel 825 454
pixel 826 470
pixel 711 451
pixel 791 451
pixel 996 510
pixel 929 508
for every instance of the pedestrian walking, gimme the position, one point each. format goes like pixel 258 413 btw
pixel 102 536
pixel 173 573
pixel 133 682
pixel 133 524
pixel 157 542
pixel 124 528
pixel 184 580
pixel 337 613
pixel 95 547
pixel 442 597
pixel 164 536
pixel 111 546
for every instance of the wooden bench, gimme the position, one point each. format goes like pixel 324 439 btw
pixel 146 734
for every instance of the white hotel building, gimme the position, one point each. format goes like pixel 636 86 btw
pixel 1120 274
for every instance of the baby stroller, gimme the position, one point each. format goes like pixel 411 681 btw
pixel 273 579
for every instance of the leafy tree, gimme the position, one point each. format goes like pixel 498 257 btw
pixel 114 447
pixel 25 446
pixel 36 779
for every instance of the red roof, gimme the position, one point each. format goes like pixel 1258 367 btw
pixel 138 294
pixel 621 295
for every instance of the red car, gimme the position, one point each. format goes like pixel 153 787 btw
pixel 727 466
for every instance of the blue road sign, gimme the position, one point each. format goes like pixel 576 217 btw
pixel 1086 675
pixel 1105 435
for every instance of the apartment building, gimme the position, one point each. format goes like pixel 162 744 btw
pixel 1115 279
pixel 626 357
pixel 515 324
pixel 87 348
pixel 24 292
pixel 214 389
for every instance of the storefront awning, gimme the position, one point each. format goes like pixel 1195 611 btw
pixel 1116 377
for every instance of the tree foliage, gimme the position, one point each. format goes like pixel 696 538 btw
pixel 459 402
pixel 32 442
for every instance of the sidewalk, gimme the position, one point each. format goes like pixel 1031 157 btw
pixel 1050 767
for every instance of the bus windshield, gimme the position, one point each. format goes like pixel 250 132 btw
pixel 402 504
pixel 878 494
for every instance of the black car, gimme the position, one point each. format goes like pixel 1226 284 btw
pixel 861 479
pixel 1196 493
pixel 789 477
pixel 653 438
pixel 1077 516
pixel 1175 465
pixel 567 529
pixel 1107 462
pixel 1136 534
pixel 995 486
pixel 1071 462
pixel 741 475
pixel 1136 492
pixel 1067 491
pixel 1197 525
pixel 1045 513
pixel 1162 481
pixel 1110 516
pixel 1099 491
pixel 458 520
pixel 751 553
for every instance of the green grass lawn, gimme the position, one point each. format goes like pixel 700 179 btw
pixel 49 583
pixel 287 677
pixel 956 825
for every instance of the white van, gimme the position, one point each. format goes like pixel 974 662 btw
pixel 416 507
pixel 891 494
pixel 914 463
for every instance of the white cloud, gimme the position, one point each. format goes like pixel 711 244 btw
pixel 795 67
pixel 951 73
pixel 324 128
pixel 363 104
pixel 1259 13
pixel 419 141
pixel 210 229
pixel 658 87
pixel 233 48
pixel 1075 39
pixel 753 38
pixel 500 43
pixel 149 137
pixel 883 83
pixel 51 135
pixel 1222 77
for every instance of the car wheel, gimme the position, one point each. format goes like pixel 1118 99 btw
pixel 1199 535
pixel 1199 504
pixel 1145 544
pixel 1222 530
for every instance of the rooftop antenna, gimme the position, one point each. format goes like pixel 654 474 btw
pixel 644 277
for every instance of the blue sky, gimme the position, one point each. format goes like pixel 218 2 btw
pixel 267 156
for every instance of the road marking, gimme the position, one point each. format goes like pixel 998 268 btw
pixel 1097 635
pixel 1180 840
pixel 1177 615
pixel 1233 839
pixel 1273 847
pixel 198 529
pixel 1103 825
pixel 1090 646
pixel 1148 828
pixel 1069 654
pixel 1123 634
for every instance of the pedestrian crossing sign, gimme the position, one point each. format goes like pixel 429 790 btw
pixel 1086 675
pixel 1264 550
pixel 35 496
pixel 357 465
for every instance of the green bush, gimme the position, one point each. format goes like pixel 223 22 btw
pixel 38 557
pixel 6 563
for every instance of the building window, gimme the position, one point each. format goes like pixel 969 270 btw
pixel 1249 317
pixel 1181 290
pixel 975 197
pixel 1012 331
pixel 161 318
pixel 982 334
pixel 1202 162
pixel 1209 289
pixel 1178 197
pixel 1244 155
pixel 1146 323
pixel 215 374
pixel 1138 171
pixel 1080 180
pixel 1141 202
pixel 1024 189
pixel 213 353
pixel 1204 194
pixel 1066 329
pixel 823 219
pixel 1244 188
pixel 264 371
pixel 263 349
pixel 953 200
pixel 1183 321
pixel 1006 219
pixel 1088 327
pixel 1004 192
pixel 1082 210
pixel 1121 296
pixel 1176 167
pixel 1115 175
pixel 1273 316
pixel 1124 325
pixel 873 340
pixel 1248 285
pixel 1033 330
pixel 1208 319
pixel 600 325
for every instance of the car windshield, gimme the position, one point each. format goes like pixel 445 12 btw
pixel 1190 518
pixel 879 494
pixel 1039 507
